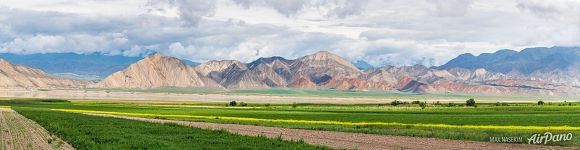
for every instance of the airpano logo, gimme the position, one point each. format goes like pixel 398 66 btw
pixel 538 138
pixel 549 137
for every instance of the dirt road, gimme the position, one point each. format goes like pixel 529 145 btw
pixel 20 133
pixel 348 140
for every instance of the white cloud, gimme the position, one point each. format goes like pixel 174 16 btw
pixel 394 32
pixel 559 10
pixel 40 42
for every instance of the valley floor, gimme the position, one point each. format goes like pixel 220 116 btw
pixel 131 124
pixel 264 96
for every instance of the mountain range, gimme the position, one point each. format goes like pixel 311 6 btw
pixel 93 66
pixel 527 61
pixel 534 71
pixel 21 76
pixel 556 64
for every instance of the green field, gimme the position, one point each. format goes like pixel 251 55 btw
pixel 438 121
pixel 92 132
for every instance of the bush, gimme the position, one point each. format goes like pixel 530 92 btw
pixel 32 100
pixel 233 103
pixel 470 102
pixel 423 105
pixel 396 102
pixel 540 102
pixel 415 102
pixel 55 101
pixel 267 105
pixel 243 104
pixel 294 105
pixel 450 104
pixel 501 104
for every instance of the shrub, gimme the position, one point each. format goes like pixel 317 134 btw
pixel 450 104
pixel 423 105
pixel 233 103
pixel 267 105
pixel 294 105
pixel 415 102
pixel 396 102
pixel 243 104
pixel 540 102
pixel 55 101
pixel 470 102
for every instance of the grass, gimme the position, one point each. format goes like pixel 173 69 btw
pixel 540 128
pixel 512 115
pixel 438 121
pixel 93 132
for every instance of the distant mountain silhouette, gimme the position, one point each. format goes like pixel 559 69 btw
pixel 77 66
pixel 527 61
pixel 81 64
pixel 12 75
pixel 362 65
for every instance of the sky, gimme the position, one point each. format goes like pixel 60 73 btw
pixel 381 32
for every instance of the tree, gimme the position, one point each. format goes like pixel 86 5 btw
pixel 243 104
pixel 396 102
pixel 470 102
pixel 450 104
pixel 423 105
pixel 540 102
pixel 233 103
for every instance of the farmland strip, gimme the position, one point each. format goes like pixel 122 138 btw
pixel 19 133
pixel 343 139
pixel 541 128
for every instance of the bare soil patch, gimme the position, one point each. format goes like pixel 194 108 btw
pixel 20 133
pixel 348 140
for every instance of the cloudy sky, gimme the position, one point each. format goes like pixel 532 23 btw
pixel 395 32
